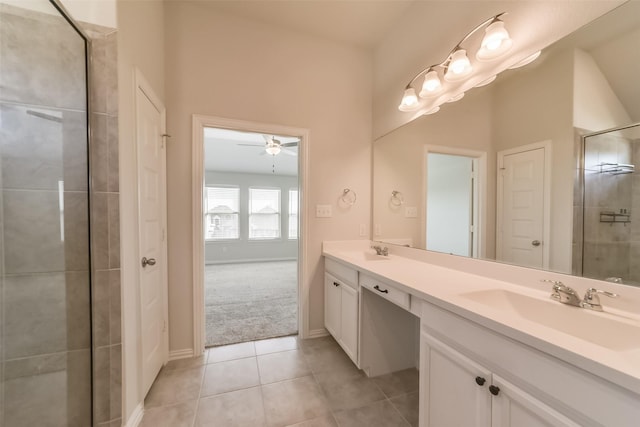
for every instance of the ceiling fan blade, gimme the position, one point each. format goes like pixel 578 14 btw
pixel 290 144
pixel 252 145
pixel 267 138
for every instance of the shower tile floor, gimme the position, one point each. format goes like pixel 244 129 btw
pixel 276 383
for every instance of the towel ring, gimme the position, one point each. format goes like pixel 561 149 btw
pixel 397 199
pixel 348 196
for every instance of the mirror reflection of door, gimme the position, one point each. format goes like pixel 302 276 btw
pixel 452 196
pixel 521 206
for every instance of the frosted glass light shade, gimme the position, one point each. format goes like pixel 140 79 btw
pixel 459 67
pixel 495 43
pixel 457 97
pixel 432 84
pixel 409 100
pixel 528 60
pixel 487 81
pixel 273 149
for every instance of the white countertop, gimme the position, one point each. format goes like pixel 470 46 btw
pixel 443 287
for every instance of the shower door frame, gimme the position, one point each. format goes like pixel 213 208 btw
pixel 581 172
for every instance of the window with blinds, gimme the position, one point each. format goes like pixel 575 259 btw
pixel 293 214
pixel 221 206
pixel 264 213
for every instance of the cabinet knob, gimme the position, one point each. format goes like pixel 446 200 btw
pixel 480 380
pixel 336 284
pixel 494 390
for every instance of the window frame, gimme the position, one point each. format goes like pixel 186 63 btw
pixel 297 203
pixel 250 214
pixel 237 213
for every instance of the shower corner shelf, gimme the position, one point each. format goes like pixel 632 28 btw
pixel 612 217
pixel 615 168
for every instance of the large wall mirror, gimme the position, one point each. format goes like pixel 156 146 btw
pixel 498 174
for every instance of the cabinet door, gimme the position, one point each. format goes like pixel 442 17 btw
pixel 332 306
pixel 349 320
pixel 512 407
pixel 453 389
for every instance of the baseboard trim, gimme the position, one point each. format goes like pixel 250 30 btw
pixel 136 417
pixel 318 333
pixel 185 353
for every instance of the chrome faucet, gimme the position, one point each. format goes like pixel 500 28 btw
pixel 381 250
pixel 591 299
pixel 564 293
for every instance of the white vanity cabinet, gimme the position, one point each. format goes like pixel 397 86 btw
pixel 456 391
pixel 473 376
pixel 341 306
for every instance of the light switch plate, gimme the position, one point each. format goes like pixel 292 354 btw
pixel 323 211
pixel 411 212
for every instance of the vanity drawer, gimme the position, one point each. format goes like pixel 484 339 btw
pixel 341 271
pixel 386 291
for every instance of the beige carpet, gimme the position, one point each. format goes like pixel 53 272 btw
pixel 250 301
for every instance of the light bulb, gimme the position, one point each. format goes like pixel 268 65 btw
pixel 495 43
pixel 431 85
pixel 459 66
pixel 409 100
pixel 272 149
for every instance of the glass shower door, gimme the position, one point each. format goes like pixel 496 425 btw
pixel 45 299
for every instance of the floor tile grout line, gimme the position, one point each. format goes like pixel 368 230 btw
pixel 399 413
pixel 195 413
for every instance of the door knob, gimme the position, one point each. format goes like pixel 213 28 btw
pixel 536 243
pixel 150 261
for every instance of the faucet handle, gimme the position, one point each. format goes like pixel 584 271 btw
pixel 557 285
pixel 591 299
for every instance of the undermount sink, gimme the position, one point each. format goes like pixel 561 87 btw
pixel 366 256
pixel 597 328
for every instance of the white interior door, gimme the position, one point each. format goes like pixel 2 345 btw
pixel 151 220
pixel 521 232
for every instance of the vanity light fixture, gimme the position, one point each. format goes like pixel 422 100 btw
pixel 409 100
pixel 457 66
pixel 486 82
pixel 432 84
pixel 528 60
pixel 457 97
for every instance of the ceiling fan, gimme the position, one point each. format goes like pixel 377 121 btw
pixel 274 146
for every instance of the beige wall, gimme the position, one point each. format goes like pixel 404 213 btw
pixel 595 106
pixel 541 111
pixel 399 165
pixel 140 45
pixel 225 66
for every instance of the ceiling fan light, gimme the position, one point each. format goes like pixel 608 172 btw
pixel 272 149
pixel 431 85
pixel 459 66
pixel 409 100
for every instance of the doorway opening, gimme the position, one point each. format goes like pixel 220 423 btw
pixel 455 181
pixel 250 224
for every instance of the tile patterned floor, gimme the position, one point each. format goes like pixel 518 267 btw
pixel 277 383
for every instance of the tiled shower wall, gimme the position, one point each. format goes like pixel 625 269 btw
pixel 611 248
pixel 46 329
pixel 46 345
pixel 105 228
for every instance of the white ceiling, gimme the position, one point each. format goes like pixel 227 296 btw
pixel 362 23
pixel 223 154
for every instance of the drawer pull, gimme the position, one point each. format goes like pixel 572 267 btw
pixel 336 284
pixel 494 390
pixel 480 380
pixel 384 291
